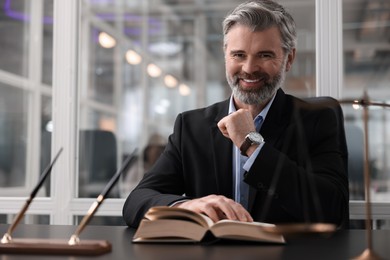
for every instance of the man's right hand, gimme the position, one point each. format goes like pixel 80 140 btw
pixel 217 207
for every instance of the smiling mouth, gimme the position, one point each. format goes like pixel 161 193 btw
pixel 252 80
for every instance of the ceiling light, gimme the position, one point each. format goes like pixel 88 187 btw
pixel 106 40
pixel 170 81
pixel 133 58
pixel 184 90
pixel 153 70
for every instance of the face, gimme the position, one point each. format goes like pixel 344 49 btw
pixel 255 63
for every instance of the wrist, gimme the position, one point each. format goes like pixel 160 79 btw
pixel 252 149
pixel 251 142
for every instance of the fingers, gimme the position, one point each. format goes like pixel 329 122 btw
pixel 218 207
pixel 237 125
pixel 222 127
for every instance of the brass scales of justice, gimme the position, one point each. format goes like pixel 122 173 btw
pixel 327 228
pixel 365 103
pixel 73 246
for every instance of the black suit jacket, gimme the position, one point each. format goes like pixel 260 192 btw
pixel 298 176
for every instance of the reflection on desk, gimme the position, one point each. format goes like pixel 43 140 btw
pixel 343 244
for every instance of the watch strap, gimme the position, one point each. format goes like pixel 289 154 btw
pixel 245 146
pixel 250 139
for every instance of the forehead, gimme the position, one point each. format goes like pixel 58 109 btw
pixel 241 37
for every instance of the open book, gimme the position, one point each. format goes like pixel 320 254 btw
pixel 168 224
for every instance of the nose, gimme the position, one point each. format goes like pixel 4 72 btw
pixel 250 65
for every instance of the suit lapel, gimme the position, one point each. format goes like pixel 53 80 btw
pixel 222 153
pixel 277 119
pixel 273 129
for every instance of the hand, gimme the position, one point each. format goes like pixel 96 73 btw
pixel 237 125
pixel 217 207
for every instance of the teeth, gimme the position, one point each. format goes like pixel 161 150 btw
pixel 251 80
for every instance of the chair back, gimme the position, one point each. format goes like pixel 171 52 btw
pixel 98 162
pixel 343 147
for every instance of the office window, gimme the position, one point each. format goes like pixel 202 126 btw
pixel 13 137
pixel 146 61
pixel 100 220
pixel 47 43
pixel 15 36
pixel 23 97
pixel 28 219
pixel 366 41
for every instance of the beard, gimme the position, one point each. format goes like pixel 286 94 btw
pixel 258 95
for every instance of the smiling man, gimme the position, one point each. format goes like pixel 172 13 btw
pixel 261 155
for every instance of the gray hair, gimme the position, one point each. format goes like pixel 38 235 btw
pixel 260 15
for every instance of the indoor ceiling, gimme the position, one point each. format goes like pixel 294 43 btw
pixel 366 30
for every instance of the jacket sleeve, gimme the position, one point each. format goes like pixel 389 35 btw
pixel 303 179
pixel 162 185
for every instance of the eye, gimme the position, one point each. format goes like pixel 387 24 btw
pixel 238 55
pixel 266 55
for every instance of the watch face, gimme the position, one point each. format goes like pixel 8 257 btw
pixel 255 137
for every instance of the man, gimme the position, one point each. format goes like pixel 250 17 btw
pixel 261 155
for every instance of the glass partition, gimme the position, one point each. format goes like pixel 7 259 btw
pixel 25 106
pixel 13 138
pixel 366 28
pixel 15 31
pixel 47 43
pixel 28 219
pixel 143 62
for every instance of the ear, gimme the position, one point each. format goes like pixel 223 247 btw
pixel 290 59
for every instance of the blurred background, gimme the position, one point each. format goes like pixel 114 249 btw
pixel 139 64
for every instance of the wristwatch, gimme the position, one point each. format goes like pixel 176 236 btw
pixel 250 139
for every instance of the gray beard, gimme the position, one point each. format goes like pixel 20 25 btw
pixel 257 96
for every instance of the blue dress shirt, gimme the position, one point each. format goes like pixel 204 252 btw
pixel 242 163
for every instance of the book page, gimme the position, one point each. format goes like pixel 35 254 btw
pixel 254 223
pixel 165 212
pixel 168 230
pixel 251 231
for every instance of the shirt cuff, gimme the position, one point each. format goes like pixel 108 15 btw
pixel 177 202
pixel 248 164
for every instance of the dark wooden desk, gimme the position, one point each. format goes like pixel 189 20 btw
pixel 341 245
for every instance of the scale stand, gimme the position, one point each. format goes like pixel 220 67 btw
pixel 368 253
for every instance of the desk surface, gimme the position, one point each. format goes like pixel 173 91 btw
pixel 341 245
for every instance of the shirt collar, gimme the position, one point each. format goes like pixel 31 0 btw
pixel 263 113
